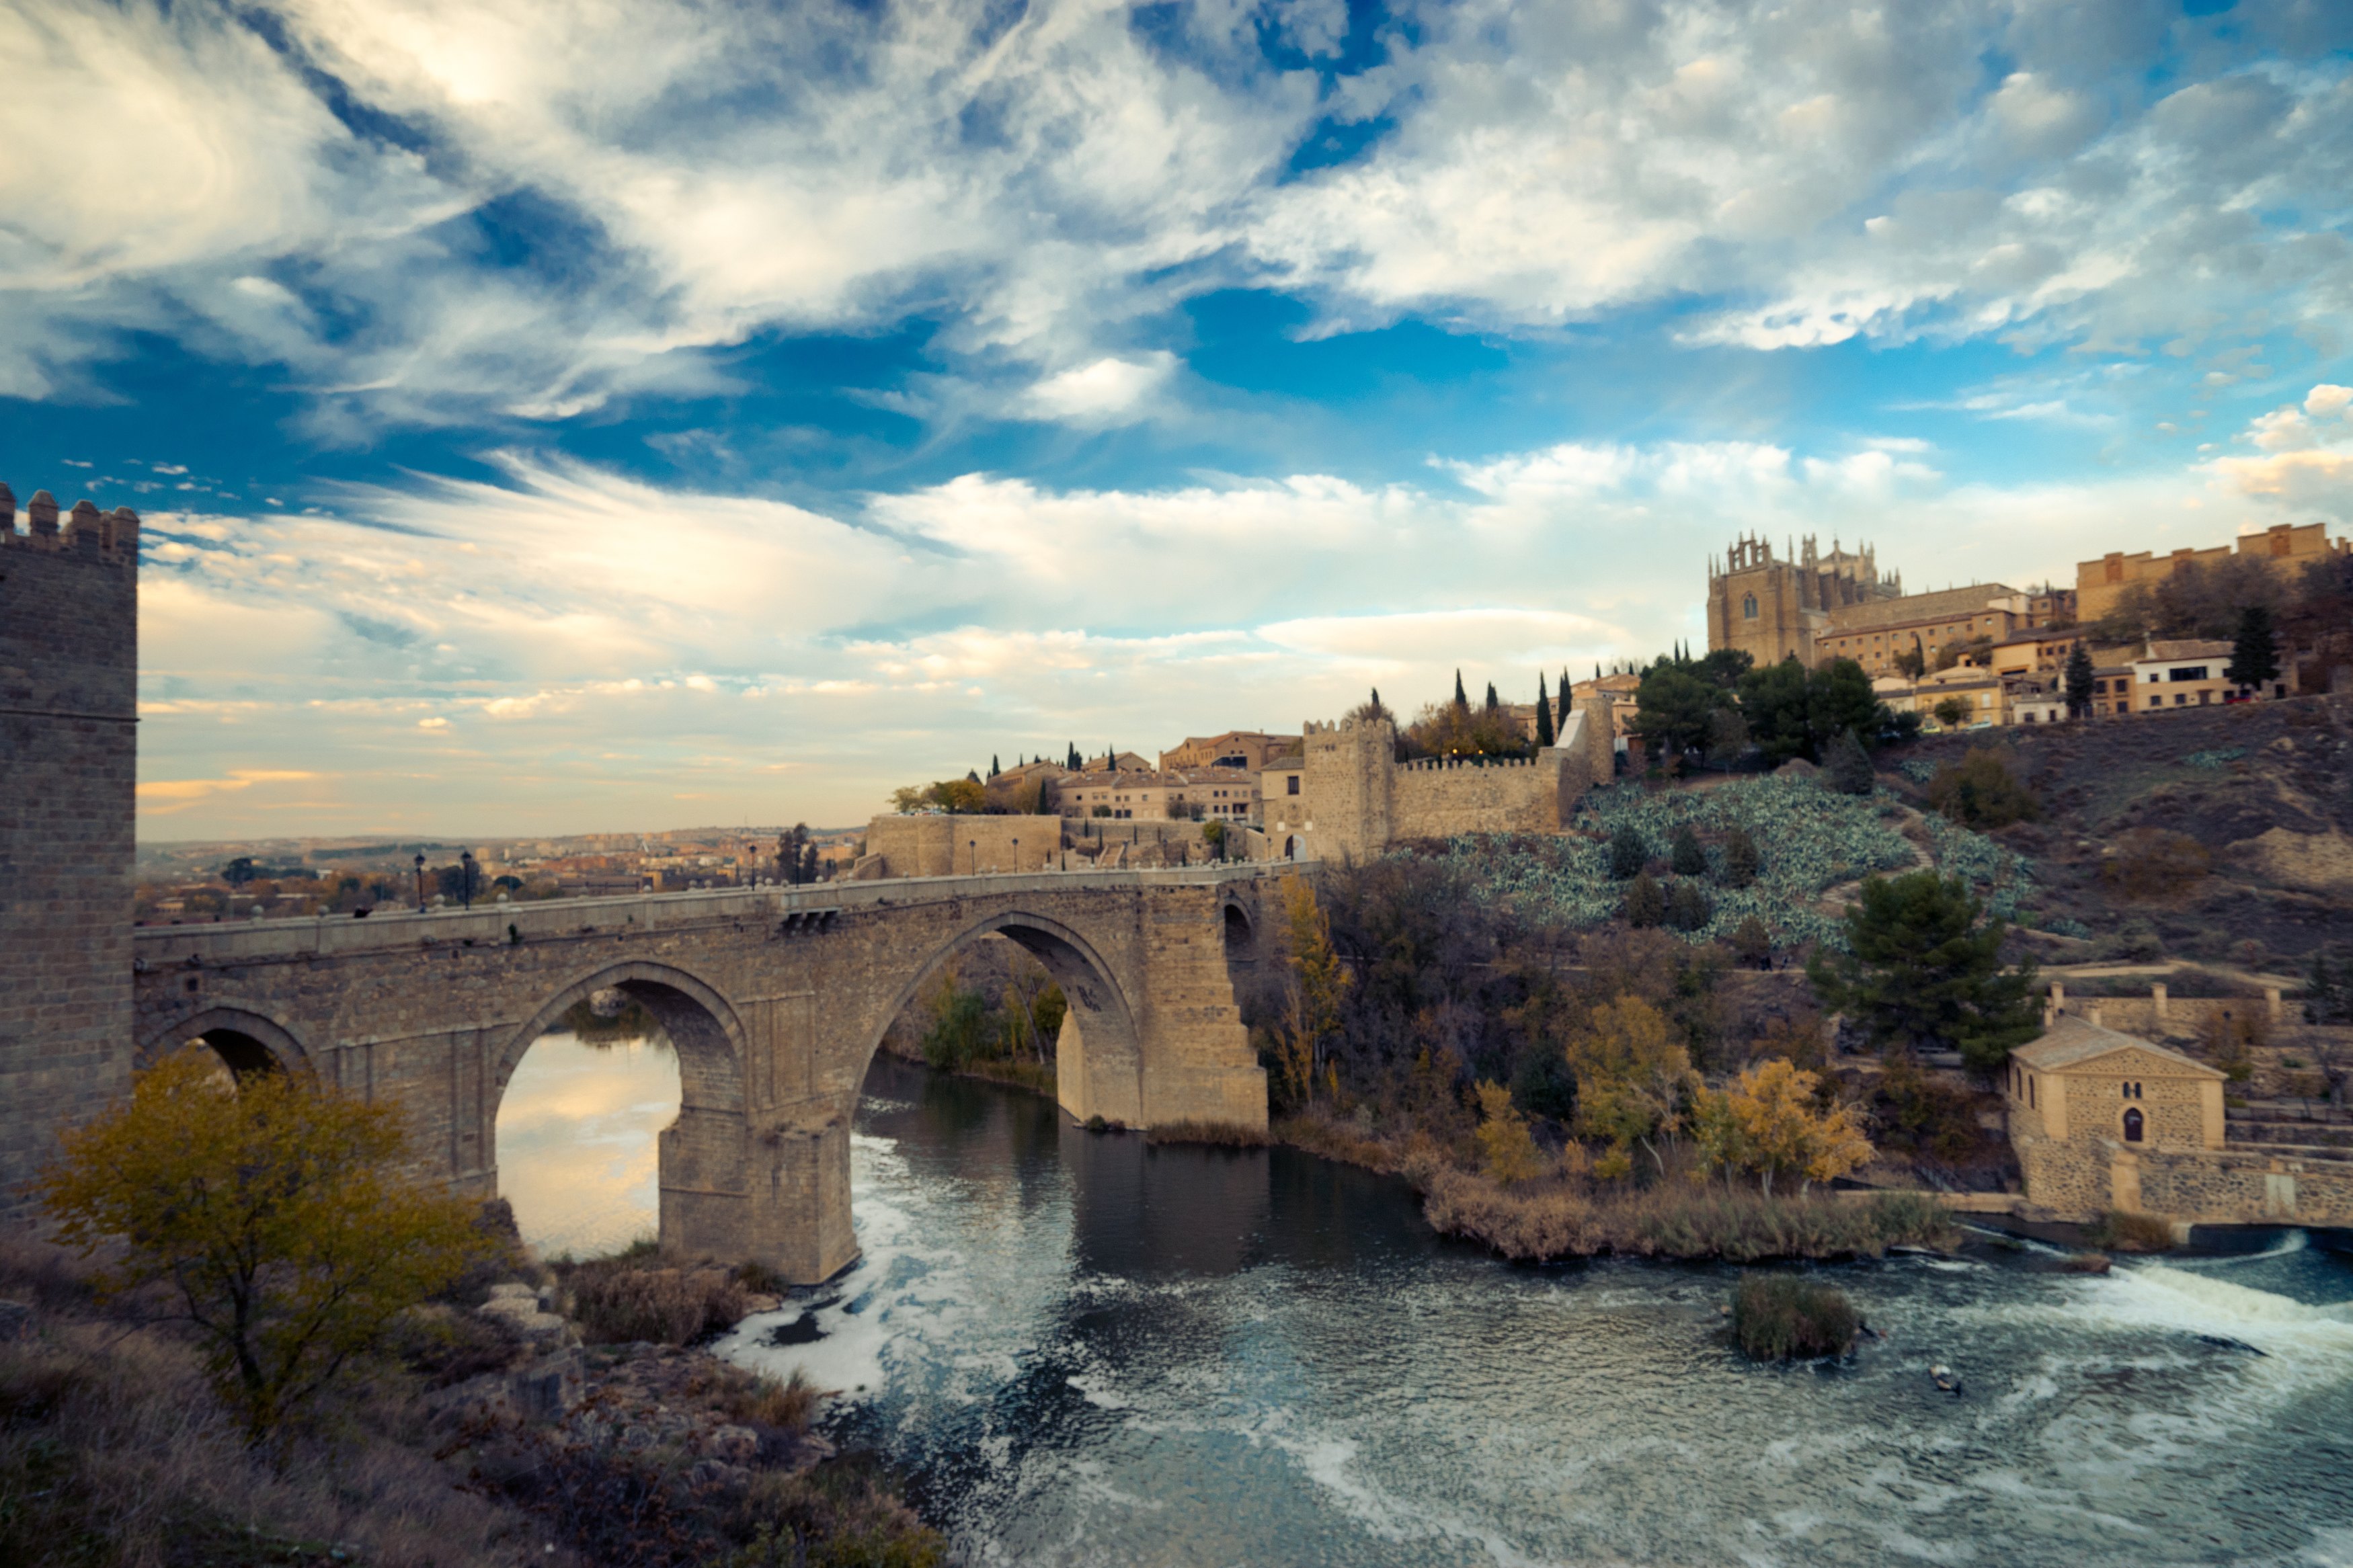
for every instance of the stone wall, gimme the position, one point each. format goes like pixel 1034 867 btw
pixel 775 999
pixel 68 686
pixel 2080 1179
pixel 2158 1015
pixel 937 844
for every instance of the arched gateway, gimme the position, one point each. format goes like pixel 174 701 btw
pixel 776 1000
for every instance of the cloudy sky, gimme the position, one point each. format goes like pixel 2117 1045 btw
pixel 628 413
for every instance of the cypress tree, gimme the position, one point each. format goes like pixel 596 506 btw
pixel 2254 653
pixel 1491 696
pixel 1543 713
pixel 1461 702
pixel 2079 681
pixel 993 769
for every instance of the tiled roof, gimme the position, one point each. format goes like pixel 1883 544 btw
pixel 1944 603
pixel 2186 650
pixel 2073 1041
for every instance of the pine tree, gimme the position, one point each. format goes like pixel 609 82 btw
pixel 1924 975
pixel 1543 713
pixel 1847 764
pixel 2079 681
pixel 2254 654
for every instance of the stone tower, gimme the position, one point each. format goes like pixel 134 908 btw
pixel 1770 608
pixel 69 690
pixel 1350 776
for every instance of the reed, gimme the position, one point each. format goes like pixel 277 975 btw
pixel 1226 1134
pixel 1786 1317
pixel 1679 1221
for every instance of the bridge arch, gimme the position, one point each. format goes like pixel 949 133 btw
pixel 700 1155
pixel 1099 1055
pixel 245 1038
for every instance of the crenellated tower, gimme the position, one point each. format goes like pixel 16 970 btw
pixel 69 700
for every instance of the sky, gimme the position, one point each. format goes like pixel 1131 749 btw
pixel 571 416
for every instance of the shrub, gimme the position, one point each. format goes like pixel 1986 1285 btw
pixel 1685 853
pixel 2120 1230
pixel 1740 859
pixel 1225 1134
pixel 2229 1036
pixel 1751 943
pixel 1847 768
pixel 1688 907
pixel 1982 791
pixel 842 1514
pixel 1628 853
pixel 619 1300
pixel 763 1401
pixel 1778 1317
pixel 1925 1114
pixel 2152 863
pixel 1646 902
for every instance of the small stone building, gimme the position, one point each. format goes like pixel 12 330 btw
pixel 2101 1120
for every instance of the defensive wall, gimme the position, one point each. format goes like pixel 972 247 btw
pixel 938 844
pixel 775 999
pixel 68 690
pixel 1352 798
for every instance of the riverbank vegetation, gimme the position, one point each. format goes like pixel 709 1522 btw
pixel 1555 1092
pixel 269 1343
pixel 1786 1317
pixel 993 1013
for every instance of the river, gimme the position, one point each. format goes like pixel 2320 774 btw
pixel 1085 1350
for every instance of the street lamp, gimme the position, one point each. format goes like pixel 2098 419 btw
pixel 420 884
pixel 466 866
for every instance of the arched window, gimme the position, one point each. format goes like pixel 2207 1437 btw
pixel 1748 608
pixel 2132 1126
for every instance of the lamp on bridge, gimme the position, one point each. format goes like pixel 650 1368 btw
pixel 420 884
pixel 466 877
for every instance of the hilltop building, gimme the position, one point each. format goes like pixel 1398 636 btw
pixel 2101 585
pixel 1347 797
pixel 1250 748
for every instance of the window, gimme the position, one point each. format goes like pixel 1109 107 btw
pixel 2187 673
pixel 2133 1125
pixel 1748 608
pixel 2030 1092
pixel 1290 784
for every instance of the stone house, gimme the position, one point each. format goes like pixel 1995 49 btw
pixel 2100 1120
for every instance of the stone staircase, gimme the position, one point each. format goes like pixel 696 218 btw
pixel 2289 1126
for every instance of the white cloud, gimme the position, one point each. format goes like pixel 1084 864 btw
pixel 2305 459
pixel 1108 392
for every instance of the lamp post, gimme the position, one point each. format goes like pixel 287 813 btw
pixel 420 884
pixel 974 845
pixel 466 868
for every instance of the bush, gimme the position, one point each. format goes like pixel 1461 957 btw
pixel 1982 791
pixel 1628 853
pixel 1740 859
pixel 1752 944
pixel 1688 907
pixel 1507 1150
pixel 1778 1317
pixel 1684 854
pixel 1223 1135
pixel 2120 1230
pixel 1646 902
pixel 842 1514
pixel 1550 1220
pixel 1918 1112
pixel 1847 768
pixel 763 1401
pixel 2151 863
pixel 618 1300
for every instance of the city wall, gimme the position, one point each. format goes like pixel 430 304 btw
pixel 69 685
pixel 937 845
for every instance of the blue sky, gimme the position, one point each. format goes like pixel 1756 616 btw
pixel 633 413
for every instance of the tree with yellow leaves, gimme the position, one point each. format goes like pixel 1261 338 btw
pixel 1767 1122
pixel 1318 980
pixel 1507 1148
pixel 1633 1078
pixel 274 1212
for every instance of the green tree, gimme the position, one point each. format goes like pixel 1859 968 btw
pixel 1724 667
pixel 1543 713
pixel 2254 654
pixel 239 871
pixel 1461 702
pixel 1688 906
pixel 275 1214
pixel 1773 701
pixel 1838 699
pixel 1923 973
pixel 1684 854
pixel 1319 982
pixel 1671 708
pixel 1646 902
pixel 1913 662
pixel 2079 680
pixel 1741 860
pixel 1951 711
pixel 1628 852
pixel 1848 766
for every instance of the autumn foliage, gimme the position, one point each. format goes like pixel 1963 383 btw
pixel 272 1215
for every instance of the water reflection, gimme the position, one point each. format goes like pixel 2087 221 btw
pixel 576 1141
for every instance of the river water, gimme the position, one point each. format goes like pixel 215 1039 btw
pixel 1085 1350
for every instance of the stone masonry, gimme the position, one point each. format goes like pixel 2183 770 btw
pixel 69 689
pixel 775 999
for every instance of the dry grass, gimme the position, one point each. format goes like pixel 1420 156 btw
pixel 762 1401
pixel 847 1508
pixel 1785 1317
pixel 1228 1134
pixel 113 1451
pixel 1559 1220
pixel 638 1297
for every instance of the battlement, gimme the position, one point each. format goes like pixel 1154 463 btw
pixel 1447 764
pixel 111 537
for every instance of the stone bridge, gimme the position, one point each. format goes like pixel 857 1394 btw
pixel 775 999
